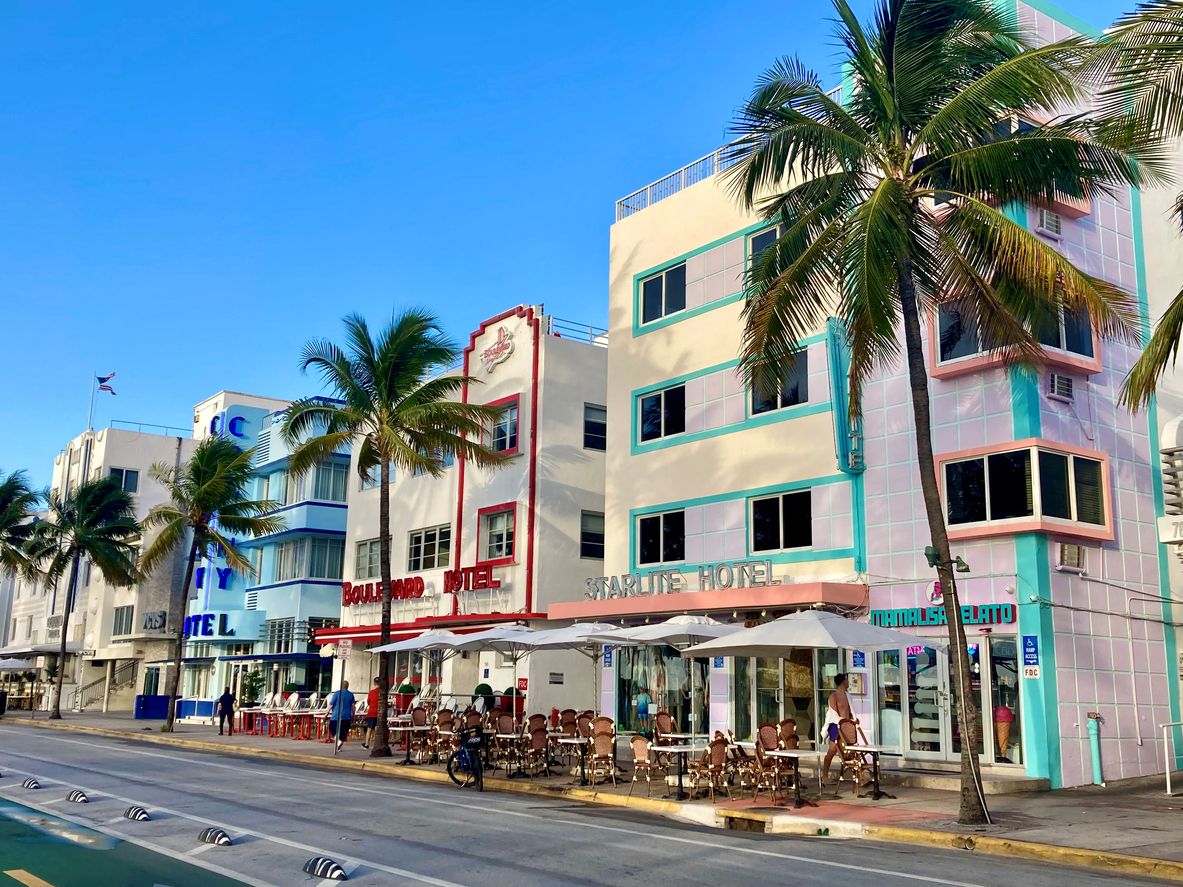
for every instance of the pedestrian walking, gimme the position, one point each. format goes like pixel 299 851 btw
pixel 372 712
pixel 837 710
pixel 226 711
pixel 340 713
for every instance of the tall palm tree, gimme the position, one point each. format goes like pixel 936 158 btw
pixel 1141 59
pixel 96 520
pixel 17 502
pixel 400 412
pixel 209 509
pixel 893 200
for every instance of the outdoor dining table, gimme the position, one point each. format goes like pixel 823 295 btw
pixel 795 755
pixel 407 730
pixel 583 742
pixel 519 773
pixel 681 751
pixel 875 751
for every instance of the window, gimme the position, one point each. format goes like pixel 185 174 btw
pixel 289 560
pixel 293 488
pixel 430 548
pixel 330 481
pixel 958 333
pixel 255 556
pixel 782 522
pixel 127 478
pixel 663 294
pixel 662 538
pixel 761 240
pixel 1001 486
pixel 151 681
pixel 28 627
pixel 591 534
pixel 595 427
pixel 497 529
pixel 123 620
pixel 367 565
pixel 792 390
pixel 326 557
pixel 445 460
pixel 1069 330
pixel 503 435
pixel 663 413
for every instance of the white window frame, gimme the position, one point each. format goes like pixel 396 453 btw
pixel 661 537
pixel 437 562
pixel 665 312
pixel 129 610
pixel 803 358
pixel 1036 490
pixel 807 492
pixel 504 408
pixel 640 408
pixel 373 559
pixel 122 475
pixel 510 529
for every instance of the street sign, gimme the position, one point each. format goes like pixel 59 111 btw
pixel 1030 671
pixel 523 684
pixel 1030 649
pixel 858 659
pixel 344 648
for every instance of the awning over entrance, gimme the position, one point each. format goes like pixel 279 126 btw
pixel 798 594
pixel 71 647
pixel 462 624
pixel 271 657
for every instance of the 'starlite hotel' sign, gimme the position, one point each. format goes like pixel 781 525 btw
pixel 985 614
pixel 711 577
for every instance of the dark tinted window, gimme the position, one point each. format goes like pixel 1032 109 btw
pixel 1090 507
pixel 651 299
pixel 792 389
pixel 595 427
pixel 1053 485
pixel 1078 332
pixel 1010 485
pixel 649 542
pixel 965 490
pixel 959 336
pixel 675 410
pixel 1047 329
pixel 766 524
pixel 651 417
pixel 591 534
pixel 762 241
pixel 797 519
pixel 673 536
pixel 675 289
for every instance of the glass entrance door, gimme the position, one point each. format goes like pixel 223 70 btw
pixel 768 691
pixel 934 731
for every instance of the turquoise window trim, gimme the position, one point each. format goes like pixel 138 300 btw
pixel 745 495
pixel 640 329
pixel 808 408
pixel 1040 712
pixel 1170 639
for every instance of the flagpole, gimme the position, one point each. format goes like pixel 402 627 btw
pixel 94 380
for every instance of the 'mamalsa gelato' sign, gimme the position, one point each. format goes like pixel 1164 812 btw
pixel 910 617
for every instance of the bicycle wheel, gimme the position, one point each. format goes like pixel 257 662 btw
pixel 458 770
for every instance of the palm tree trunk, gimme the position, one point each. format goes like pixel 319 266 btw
pixel 71 591
pixel 173 685
pixel 973 802
pixel 381 745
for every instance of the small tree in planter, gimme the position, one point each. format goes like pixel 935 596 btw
pixel 252 686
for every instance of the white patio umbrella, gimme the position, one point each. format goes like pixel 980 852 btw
pixel 436 639
pixel 585 637
pixel 16 665
pixel 680 632
pixel 814 629
pixel 509 638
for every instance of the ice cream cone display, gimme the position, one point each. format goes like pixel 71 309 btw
pixel 1002 734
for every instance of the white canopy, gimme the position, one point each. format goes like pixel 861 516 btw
pixel 580 636
pixel 680 631
pixel 436 639
pixel 509 638
pixel 815 629
pixel 16 665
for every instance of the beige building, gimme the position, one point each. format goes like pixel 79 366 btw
pixel 479 547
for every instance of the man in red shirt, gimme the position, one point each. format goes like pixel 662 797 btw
pixel 372 711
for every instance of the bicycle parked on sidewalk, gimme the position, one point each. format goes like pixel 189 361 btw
pixel 465 765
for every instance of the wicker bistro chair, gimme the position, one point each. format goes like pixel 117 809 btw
pixel 508 750
pixel 787 732
pixel 441 738
pixel 561 752
pixel 645 764
pixel 583 725
pixel 601 762
pixel 420 740
pixel 536 722
pixel 536 752
pixel 567 716
pixel 743 767
pixel 713 768
pixel 767 775
pixel 854 763
pixel 473 719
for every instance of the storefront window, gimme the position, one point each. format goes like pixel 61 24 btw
pixel 889 700
pixel 975 683
pixel 741 695
pixel 667 677
pixel 924 708
pixel 827 670
pixel 1004 680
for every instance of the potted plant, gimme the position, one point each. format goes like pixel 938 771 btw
pixel 403 696
pixel 251 686
pixel 485 692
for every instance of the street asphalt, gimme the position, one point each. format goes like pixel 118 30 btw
pixel 411 833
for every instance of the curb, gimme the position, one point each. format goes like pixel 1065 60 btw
pixel 1101 860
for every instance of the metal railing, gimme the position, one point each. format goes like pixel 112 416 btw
pixel 581 332
pixel 88 694
pixel 690 174
pixel 171 430
pixel 1167 748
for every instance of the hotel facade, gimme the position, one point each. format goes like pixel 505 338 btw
pixel 477 547
pixel 746 504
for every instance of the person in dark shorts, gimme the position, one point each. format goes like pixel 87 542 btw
pixel 372 711
pixel 226 711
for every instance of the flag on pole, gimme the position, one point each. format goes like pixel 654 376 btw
pixel 103 380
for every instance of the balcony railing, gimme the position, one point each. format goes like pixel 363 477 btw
pixel 141 427
pixel 690 174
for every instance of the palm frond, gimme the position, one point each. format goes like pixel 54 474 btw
pixel 1159 353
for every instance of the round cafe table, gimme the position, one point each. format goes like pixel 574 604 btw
pixel 681 751
pixel 795 755
pixel 583 743
pixel 407 730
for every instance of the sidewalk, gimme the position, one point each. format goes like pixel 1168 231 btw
pixel 1131 829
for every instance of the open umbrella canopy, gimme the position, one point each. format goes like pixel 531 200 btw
pixel 680 631
pixel 815 629
pixel 509 638
pixel 16 665
pixel 579 636
pixel 436 639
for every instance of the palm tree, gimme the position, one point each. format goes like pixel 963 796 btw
pixel 399 411
pixel 210 508
pixel 17 502
pixel 1141 59
pixel 893 200
pixel 96 520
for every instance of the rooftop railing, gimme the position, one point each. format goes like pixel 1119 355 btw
pixel 141 427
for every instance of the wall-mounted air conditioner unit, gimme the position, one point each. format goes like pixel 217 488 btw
pixel 1050 224
pixel 1060 387
pixel 1071 559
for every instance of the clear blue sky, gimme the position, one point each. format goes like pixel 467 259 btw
pixel 192 190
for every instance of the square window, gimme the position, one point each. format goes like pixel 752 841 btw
pixel 661 538
pixel 663 413
pixel 782 522
pixel 429 549
pixel 958 333
pixel 498 533
pixel 591 535
pixel 663 294
pixel 503 436
pixel 965 491
pixel 127 478
pixel 792 389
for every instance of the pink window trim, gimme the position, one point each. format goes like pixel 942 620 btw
pixel 966 365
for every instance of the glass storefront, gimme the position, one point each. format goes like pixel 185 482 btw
pixel 674 684
pixel 795 687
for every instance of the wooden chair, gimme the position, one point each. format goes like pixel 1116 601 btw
pixel 854 763
pixel 536 722
pixel 712 769
pixel 743 766
pixel 601 762
pixel 584 725
pixel 787 732
pixel 644 764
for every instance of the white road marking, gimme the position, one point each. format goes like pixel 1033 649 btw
pixel 200 848
pixel 315 851
pixel 696 841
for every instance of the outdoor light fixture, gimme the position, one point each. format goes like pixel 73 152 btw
pixel 962 566
pixel 930 555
